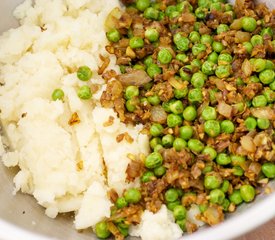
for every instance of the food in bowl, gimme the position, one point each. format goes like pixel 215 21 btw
pixel 164 128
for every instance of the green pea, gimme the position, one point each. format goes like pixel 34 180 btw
pixel 208 67
pixel 153 160
pixel 179 144
pixel 267 31
pixel 259 101
pixel 84 73
pixel 132 195
pixel 227 126
pixel 138 67
pixel 237 160
pixel 209 113
pixel 254 79
pixel 131 91
pixel 236 197
pixel 147 176
pixel 200 12
pixel 247 193
pixel 130 106
pixel 180 93
pixel 268 169
pixel 159 171
pixel 263 123
pixel 182 43
pixel 182 57
pixel 164 56
pixel 225 204
pixel 198 48
pixel 195 145
pixel 113 35
pixel 225 59
pixel 153 70
pixel 269 95
pixel 267 76
pixel 57 94
pixel 225 186
pixel 154 100
pixel 154 142
pixel 84 92
pixel 259 65
pixel 151 13
pixel 136 42
pixel 171 195
pixel 167 140
pixel 174 120
pixel 198 79
pixel 272 86
pixel 211 152
pixel 194 37
pixel 217 196
pixel 206 39
pixel 121 202
pixel 189 113
pixel 222 28
pixel 123 229
pixel 122 69
pixel 195 95
pixel 141 5
pixel 216 6
pixel 196 63
pixel 223 159
pixel 158 147
pixel 250 123
pixel 186 132
pixel 269 65
pixel 207 169
pixel 212 182
pixel 171 205
pixel 223 71
pixel 179 212
pixel 182 224
pixel 204 3
pixel 152 34
pixel 217 46
pixel 148 61
pixel 170 9
pixel 248 47
pixel 156 129
pixel 212 128
pixel 101 230
pixel 238 171
pixel 256 40
pixel 249 24
pixel 176 107
pixel 212 57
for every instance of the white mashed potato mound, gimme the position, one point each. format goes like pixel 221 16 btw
pixel 158 226
pixel 64 166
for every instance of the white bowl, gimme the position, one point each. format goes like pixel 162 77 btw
pixel 21 218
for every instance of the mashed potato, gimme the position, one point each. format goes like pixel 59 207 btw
pixel 64 166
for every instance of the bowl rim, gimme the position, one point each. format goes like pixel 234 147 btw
pixel 248 220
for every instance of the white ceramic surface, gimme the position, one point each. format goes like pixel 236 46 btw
pixel 22 219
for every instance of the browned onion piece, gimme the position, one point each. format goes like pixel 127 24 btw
pixel 241 37
pixel 213 215
pixel 158 114
pixel 177 84
pixel 263 112
pixel 112 19
pixel 248 144
pixel 246 68
pixel 135 77
pixel 224 109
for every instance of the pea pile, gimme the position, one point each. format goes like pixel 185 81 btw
pixel 199 74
